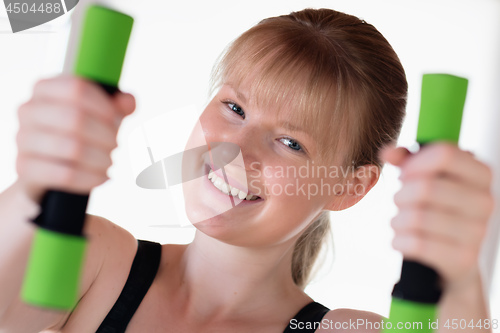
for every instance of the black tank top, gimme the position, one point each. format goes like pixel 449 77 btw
pixel 141 276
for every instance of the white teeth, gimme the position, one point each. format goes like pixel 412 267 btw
pixel 224 188
pixel 228 189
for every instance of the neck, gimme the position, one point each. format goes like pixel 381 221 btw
pixel 219 280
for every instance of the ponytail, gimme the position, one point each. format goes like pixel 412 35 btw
pixel 308 247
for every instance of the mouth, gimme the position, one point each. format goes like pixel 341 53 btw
pixel 221 185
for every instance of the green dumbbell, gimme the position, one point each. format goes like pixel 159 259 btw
pixel 415 296
pixel 52 277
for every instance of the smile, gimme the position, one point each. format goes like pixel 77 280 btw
pixel 225 188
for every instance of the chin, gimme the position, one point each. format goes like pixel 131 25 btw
pixel 223 232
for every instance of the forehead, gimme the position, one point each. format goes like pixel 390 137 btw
pixel 297 84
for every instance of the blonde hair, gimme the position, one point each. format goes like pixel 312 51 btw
pixel 339 75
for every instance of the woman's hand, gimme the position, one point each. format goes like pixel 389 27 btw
pixel 66 135
pixel 444 206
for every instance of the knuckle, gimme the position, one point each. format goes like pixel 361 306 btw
pixel 398 197
pixel 75 148
pixel 114 144
pixel 100 161
pixel 23 110
pixel 76 88
pixel 446 153
pixel 20 138
pixel 65 176
pixel 76 119
pixel 415 219
pixel 108 162
pixel 24 140
pixel 395 221
pixel 424 190
pixel 20 165
pixel 40 84
pixel 100 180
pixel 416 246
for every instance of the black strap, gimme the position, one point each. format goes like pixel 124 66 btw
pixel 141 276
pixel 308 319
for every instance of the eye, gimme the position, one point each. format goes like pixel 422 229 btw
pixel 235 108
pixel 292 144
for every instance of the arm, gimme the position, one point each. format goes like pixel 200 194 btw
pixel 15 238
pixel 67 132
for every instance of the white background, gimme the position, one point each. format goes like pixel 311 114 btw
pixel 171 53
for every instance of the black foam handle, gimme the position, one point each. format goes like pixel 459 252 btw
pixel 418 283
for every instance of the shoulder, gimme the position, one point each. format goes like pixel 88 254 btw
pixel 349 320
pixel 109 255
pixel 113 245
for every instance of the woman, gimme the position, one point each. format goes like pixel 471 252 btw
pixel 316 89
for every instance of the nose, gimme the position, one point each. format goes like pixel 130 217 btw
pixel 222 154
pixel 251 143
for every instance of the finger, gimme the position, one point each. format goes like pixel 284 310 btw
pixel 448 159
pixel 446 195
pixel 80 92
pixel 396 156
pixel 64 150
pixel 67 120
pixel 438 224
pixel 450 260
pixel 60 176
pixel 125 103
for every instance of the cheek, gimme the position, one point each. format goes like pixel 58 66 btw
pixel 297 188
pixel 293 206
pixel 197 137
pixel 203 129
pixel 211 123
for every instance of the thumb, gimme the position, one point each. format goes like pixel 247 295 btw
pixel 394 155
pixel 125 103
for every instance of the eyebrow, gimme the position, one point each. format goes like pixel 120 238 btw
pixel 238 93
pixel 286 125
pixel 291 127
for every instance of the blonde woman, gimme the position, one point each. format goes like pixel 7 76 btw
pixel 313 86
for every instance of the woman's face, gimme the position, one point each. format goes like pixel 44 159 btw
pixel 277 162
